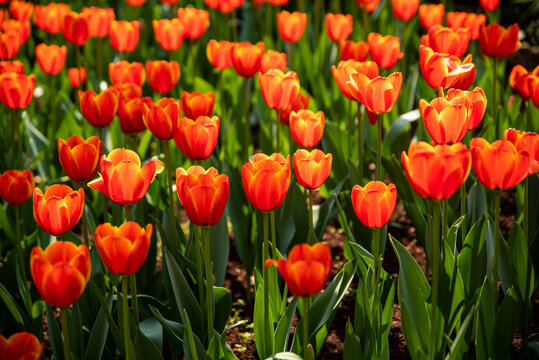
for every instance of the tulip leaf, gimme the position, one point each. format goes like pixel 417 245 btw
pixel 477 203
pixel 451 290
pixel 521 263
pixel 327 211
pixel 286 227
pixel 99 333
pixel 504 327
pixel 223 307
pixel 472 260
pixel 76 338
pixel 352 345
pixel 220 246
pixel 282 333
pixel 144 347
pixel 38 147
pixel 55 335
pixel 151 328
pixel 460 346
pixel 398 137
pixel 17 313
pixel 192 346
pixel 106 307
pixel 6 226
pixel 263 349
pixel 485 315
pixel 173 330
pixel 452 234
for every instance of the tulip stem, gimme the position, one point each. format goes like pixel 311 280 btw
pixel 234 25
pixel 444 219
pixel 246 118
pixel 316 23
pixel 375 281
pixel 305 310
pixel 198 257
pixel 191 60
pixel 134 300
pixel 495 105
pixel 128 213
pixel 290 54
pixel 301 5
pixel 278 137
pixel 525 220
pixel 78 59
pixel 359 140
pixel 166 147
pixel 19 245
pixel 265 257
pixel 17 126
pixel 435 276
pixel 463 210
pixel 125 310
pixel 268 21
pixel 52 98
pixel 273 236
pixel 365 23
pixel 379 149
pixel 311 220
pixel 349 127
pixel 497 198
pixel 209 280
pixel 65 332
pixel 98 59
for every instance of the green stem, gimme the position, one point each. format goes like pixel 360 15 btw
pixel 444 219
pixel 134 300
pixel 463 210
pixel 65 332
pixel 234 25
pixel 198 257
pixel 316 22
pixel 379 149
pixel 273 235
pixel 265 257
pixel 269 30
pixel 359 140
pixel 365 24
pixel 435 276
pixel 98 59
pixel 290 55
pixel 349 127
pixel 127 338
pixel 246 130
pixel 278 137
pixel 494 103
pixel 305 305
pixel 301 5
pixel 128 210
pixel 191 61
pixel 16 124
pixel 376 281
pixel 78 59
pixel 19 244
pixel 209 280
pixel 497 197
pixel 525 220
pixel 52 98
pixel 166 146
pixel 311 220
pixel 528 115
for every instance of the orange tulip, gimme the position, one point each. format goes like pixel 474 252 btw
pixel 50 17
pixel 374 204
pixel 76 75
pixel 385 50
pixel 404 9
pixel 162 75
pixel 307 269
pixel 21 345
pixel 195 22
pixel 218 53
pixel 447 121
pixel 471 21
pixel 168 33
pixel 122 179
pixel 528 142
pixel 16 187
pixel 312 168
pixel 135 2
pixel 9 45
pixel 21 10
pixel 197 104
pixel 291 25
pixel 59 209
pixel 128 91
pixel 273 60
pixel 446 71
pixel 197 138
pixel 61 272
pixel 306 127
pixel 51 58
pixel 163 118
pixel 16 90
pixel 224 6
pixel 122 72
pixel 246 58
pixel 351 50
pixel 80 157
pixel 518 79
pixel 430 15
pixel 123 248
pixel 498 42
pixel 131 113
pixel 124 35
pixel 368 5
pixel 99 21
pixel 75 28
pixel 477 100
pixel 266 180
pixel 99 110
pixel 15 66
pixel 339 26
pixel 489 5
pixel 436 172
pixel 300 102
pixel 22 29
pixel 498 165
pixel 279 89
pixel 344 69
pixel 447 40
pixel 533 88
pixel 203 194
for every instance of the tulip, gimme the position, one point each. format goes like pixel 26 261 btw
pixel 162 75
pixel 197 138
pixel 197 104
pixel 203 193
pixel 168 33
pixel 128 91
pixel 277 2
pixel 518 79
pixel 123 248
pixel 300 102
pixel 21 10
pixel 75 28
pixel 385 50
pixel 498 42
pixel 446 71
pixel 124 35
pixel 195 22
pixel 345 68
pixel 51 58
pixel 291 25
pixel 339 26
pixel 22 29
pixel 122 178
pixel 122 72
pixel 218 53
pixel 16 90
pixel 374 204
pixel 533 88
pixel 76 76
pixel 350 50
pixel 447 121
pixel 136 3
pixel 447 40
pixel 16 187
pixel 272 60
pixel 59 209
pixel 489 5
pixel 80 157
pixel 525 142
pixel 50 17
pixel 368 5
pixel 436 172
pixel 9 45
pixel 131 113
pixel 15 66
pixel 61 272
pixel 279 89
pixel 224 6
pixel 99 110
pixel 306 127
pixel 163 118
pixel 404 9
pixel 246 58
pixel 477 100
pixel 379 95
pixel 99 21
pixel 21 345
pixel 312 168
pixel 432 14
pixel 471 21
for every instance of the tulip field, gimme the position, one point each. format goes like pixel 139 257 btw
pixel 269 179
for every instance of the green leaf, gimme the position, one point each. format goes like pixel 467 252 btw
pixel 192 347
pixel 327 211
pixel 219 246
pixel 484 320
pixel 522 265
pixel 55 335
pixel 7 226
pixel 264 350
pixel 451 290
pixel 504 327
pixel 477 203
pixel 223 307
pixel 14 309
pixel 174 330
pixel 144 347
pixel 98 335
pixel 152 329
pixel 472 261
pixel 452 234
pixel 282 333
pixel 352 345
pixel 76 338
pixel 105 307
pixel 460 346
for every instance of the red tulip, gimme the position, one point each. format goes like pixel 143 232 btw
pixel 477 100
pixel 528 142
pixel 498 42
pixel 51 58
pixel 312 168
pixel 80 157
pixel 218 53
pixel 162 75
pixel 278 89
pixel 51 16
pixel 291 25
pixel 404 9
pixel 99 21
pixel 197 104
pixel 368 5
pixel 375 203
pixel 273 60
pixel 246 58
pixel 16 187
pixel 350 50
pixel 9 45
pixel 124 35
pixel 163 118
pixel 75 28
pixel 131 113
pixel 446 71
pixel 489 5
pixel 21 345
pixel 15 66
pixel 344 69
pixel 518 79
pixel 447 40
pixel 168 33
pixel 122 72
pixel 99 110
pixel 224 6
pixel 430 15
pixel 306 127
pixel 195 22
pixel 16 90
pixel 76 75
pixel 21 10
pixel 471 21
pixel 300 103
pixel 447 121
pixel 197 138
pixel 339 26
pixel 385 50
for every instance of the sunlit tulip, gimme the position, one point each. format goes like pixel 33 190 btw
pixel 471 21
pixel 21 10
pixel 351 50
pixel 79 157
pixel 436 172
pixel 128 91
pixel 224 6
pixel 266 180
pixel 518 79
pixel 197 138
pixel 404 9
pixel 99 109
pixel 123 248
pixel 498 42
pixel 16 90
pixel 203 194
pixel 51 16
pixel 218 53
pixel 477 100
pixel 195 22
pixel 489 5
pixel 300 102
pixel 131 113
pixel 21 345
pixel 122 178
pixel 51 58
pixel 339 26
pixel 197 104
pixel 368 5
pixel 431 14
pixel 9 45
pixel 312 168
pixel 246 58
pixel 124 35
pixel 447 40
pixel 273 60
pixel 447 121
pixel 307 269
pixel 374 204
pixel 306 127
pixel 528 142
pixel 344 69
pixel 446 71
pixel 168 33
pixel 15 66
pixel 533 89
pixel 122 72
pixel 385 50
pixel 22 29
pixel 163 118
pixel 76 76
pixel 75 28
pixel 16 186
pixel 291 25
pixel 279 89
pixel 99 21
pixel 136 3
pixel 59 209
pixel 61 272
pixel 162 75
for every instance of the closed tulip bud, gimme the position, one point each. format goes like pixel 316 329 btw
pixel 385 50
pixel 279 89
pixel 528 142
pixel 22 29
pixel 307 269
pixel 203 194
pixel 76 75
pixel 124 35
pixel 163 118
pixel 374 204
pixel 21 345
pixel 61 272
pixel 99 21
pixel 122 178
pixel 16 187
pixel 197 104
pixel 291 25
pixel 266 180
pixel 339 26
pixel 224 6
pixel 59 209
pixel 404 9
pixel 122 72
pixel 446 71
pixel 477 100
pixel 312 168
pixel 218 53
pixel 162 75
pixel 51 58
pixel 350 50
pixel 300 102
pixel 273 60
pixel 195 22
pixel 168 33
pixel 131 113
pixel 99 110
pixel 306 127
pixel 436 172
pixel 518 79
pixel 197 138
pixel 489 5
pixel 80 157
pixel 128 91
pixel 15 66
pixel 75 28
pixel 246 58
pixel 344 69
pixel 21 10
pixel 123 248
pixel 447 40
pixel 16 90
pixel 447 121
pixel 430 15
pixel 498 42
pixel 9 45
pixel 471 21
pixel 368 5
pixel 498 166
pixel 50 17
